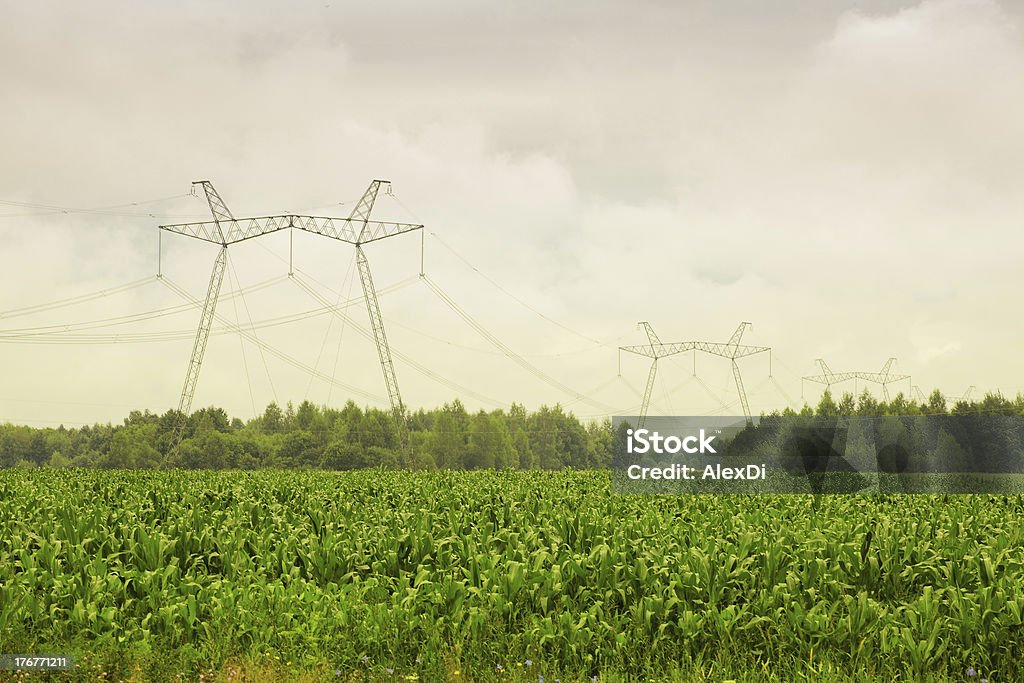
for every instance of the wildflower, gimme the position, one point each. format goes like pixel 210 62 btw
pixel 529 663
pixel 456 672
pixel 500 667
pixel 419 661
pixel 365 659
pixel 390 670
pixel 337 672
pixel 594 679
pixel 540 678
pixel 971 671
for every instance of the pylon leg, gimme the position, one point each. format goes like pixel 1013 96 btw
pixel 740 391
pixel 383 350
pixel 203 333
pixel 646 402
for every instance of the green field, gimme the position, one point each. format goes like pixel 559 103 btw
pixel 376 575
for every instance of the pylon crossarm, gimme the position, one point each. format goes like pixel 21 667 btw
pixel 383 350
pixel 833 378
pixel 659 351
pixel 729 350
pixel 880 378
pixel 342 229
pixel 744 351
pixel 208 231
pixel 203 332
pixel 378 230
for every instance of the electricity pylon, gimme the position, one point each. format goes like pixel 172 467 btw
pixel 966 397
pixel 828 378
pixel 357 230
pixel 731 349
pixel 949 399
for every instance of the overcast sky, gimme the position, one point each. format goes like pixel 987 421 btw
pixel 846 176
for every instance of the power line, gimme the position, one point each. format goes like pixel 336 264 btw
pixel 48 209
pixel 233 278
pixel 513 296
pixel 49 335
pixel 81 298
pixel 272 350
pixel 131 317
pixel 422 369
pixel 512 355
pixel 327 333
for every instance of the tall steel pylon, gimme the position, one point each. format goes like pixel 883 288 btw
pixel 731 349
pixel 828 378
pixel 357 230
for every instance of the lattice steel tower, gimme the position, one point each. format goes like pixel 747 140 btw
pixel 828 378
pixel 731 349
pixel 357 230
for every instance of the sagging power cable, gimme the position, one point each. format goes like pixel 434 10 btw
pixel 501 346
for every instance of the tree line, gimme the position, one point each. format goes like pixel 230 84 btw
pixel 350 437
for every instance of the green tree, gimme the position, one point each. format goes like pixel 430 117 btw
pixel 344 455
pixel 305 415
pixel 543 432
pixel 449 441
pixel 936 403
pixel 299 449
pixel 273 418
pixel 489 443
pixel 867 405
pixel 826 406
pixel 599 444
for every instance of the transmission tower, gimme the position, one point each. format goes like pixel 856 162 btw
pixel 952 400
pixel 966 397
pixel 731 349
pixel 828 378
pixel 357 230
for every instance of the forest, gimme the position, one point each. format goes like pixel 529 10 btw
pixel 321 437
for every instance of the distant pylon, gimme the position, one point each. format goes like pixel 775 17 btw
pixel 966 396
pixel 732 350
pixel 885 377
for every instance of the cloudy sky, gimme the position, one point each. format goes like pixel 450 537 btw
pixel 844 175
